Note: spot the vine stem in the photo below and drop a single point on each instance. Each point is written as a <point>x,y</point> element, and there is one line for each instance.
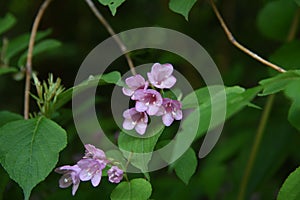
<point>29,55</point>
<point>112,33</point>
<point>238,45</point>
<point>255,147</point>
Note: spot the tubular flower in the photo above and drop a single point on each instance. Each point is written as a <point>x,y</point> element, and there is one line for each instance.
<point>135,120</point>
<point>161,76</point>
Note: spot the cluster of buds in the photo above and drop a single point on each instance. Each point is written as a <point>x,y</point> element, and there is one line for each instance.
<point>149,102</point>
<point>89,168</point>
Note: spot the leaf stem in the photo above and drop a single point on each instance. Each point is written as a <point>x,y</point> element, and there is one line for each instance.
<point>240,46</point>
<point>255,147</point>
<point>112,33</point>
<point>29,55</point>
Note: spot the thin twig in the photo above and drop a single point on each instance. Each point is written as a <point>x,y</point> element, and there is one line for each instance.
<point>238,45</point>
<point>29,55</point>
<point>294,26</point>
<point>112,33</point>
<point>255,147</point>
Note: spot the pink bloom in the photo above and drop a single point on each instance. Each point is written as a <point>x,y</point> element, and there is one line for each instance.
<point>115,175</point>
<point>136,120</point>
<point>147,100</point>
<point>92,152</point>
<point>171,110</point>
<point>161,76</point>
<point>91,169</point>
<point>70,176</point>
<point>134,83</point>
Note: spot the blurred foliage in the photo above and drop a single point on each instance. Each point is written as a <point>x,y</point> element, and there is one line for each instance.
<point>270,27</point>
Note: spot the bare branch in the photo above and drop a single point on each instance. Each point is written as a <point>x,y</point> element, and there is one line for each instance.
<point>112,33</point>
<point>29,55</point>
<point>238,45</point>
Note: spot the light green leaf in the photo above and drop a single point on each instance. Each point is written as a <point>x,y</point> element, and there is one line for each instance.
<point>182,7</point>
<point>20,43</point>
<point>7,22</point>
<point>281,10</point>
<point>186,165</point>
<point>112,4</point>
<point>139,150</point>
<point>279,82</point>
<point>292,91</point>
<point>40,48</point>
<point>6,117</point>
<point>29,150</point>
<point>112,78</point>
<point>7,70</point>
<point>290,188</point>
<point>136,189</point>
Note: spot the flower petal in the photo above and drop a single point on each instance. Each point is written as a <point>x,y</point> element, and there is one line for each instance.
<point>128,124</point>
<point>74,188</point>
<point>141,128</point>
<point>134,82</point>
<point>178,115</point>
<point>96,179</point>
<point>168,83</point>
<point>167,119</point>
<point>127,91</point>
<point>140,106</point>
<point>153,109</point>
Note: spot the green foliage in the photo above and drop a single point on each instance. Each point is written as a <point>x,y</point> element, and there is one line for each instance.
<point>182,7</point>
<point>29,150</point>
<point>39,48</point>
<point>290,188</point>
<point>7,22</point>
<point>186,165</point>
<point>112,4</point>
<point>6,116</point>
<point>281,10</point>
<point>139,150</point>
<point>136,189</point>
<point>7,70</point>
<point>298,2</point>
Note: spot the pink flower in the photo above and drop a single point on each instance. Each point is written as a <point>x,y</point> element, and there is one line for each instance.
<point>91,169</point>
<point>115,175</point>
<point>161,76</point>
<point>70,176</point>
<point>92,152</point>
<point>136,120</point>
<point>171,110</point>
<point>134,83</point>
<point>147,100</point>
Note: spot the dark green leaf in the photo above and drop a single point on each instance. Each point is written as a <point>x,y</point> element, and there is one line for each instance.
<point>290,188</point>
<point>281,10</point>
<point>112,4</point>
<point>7,22</point>
<point>6,117</point>
<point>7,70</point>
<point>112,77</point>
<point>29,150</point>
<point>40,48</point>
<point>186,165</point>
<point>292,91</point>
<point>182,7</point>
<point>136,189</point>
<point>20,43</point>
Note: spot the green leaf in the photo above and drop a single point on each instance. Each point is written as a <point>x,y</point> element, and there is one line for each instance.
<point>139,150</point>
<point>112,4</point>
<point>39,48</point>
<point>109,78</point>
<point>281,10</point>
<point>287,55</point>
<point>292,91</point>
<point>186,165</point>
<point>136,189</point>
<point>20,43</point>
<point>182,7</point>
<point>29,150</point>
<point>7,22</point>
<point>297,2</point>
<point>290,188</point>
<point>6,117</point>
<point>7,70</point>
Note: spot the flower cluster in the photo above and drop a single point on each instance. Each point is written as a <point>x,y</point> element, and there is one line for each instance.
<point>150,101</point>
<point>90,167</point>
